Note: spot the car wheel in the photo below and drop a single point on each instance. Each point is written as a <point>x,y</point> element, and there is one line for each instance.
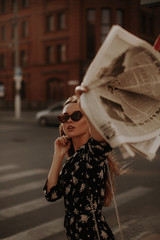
<point>43,121</point>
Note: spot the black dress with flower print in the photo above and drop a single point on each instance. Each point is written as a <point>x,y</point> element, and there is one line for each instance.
<point>83,178</point>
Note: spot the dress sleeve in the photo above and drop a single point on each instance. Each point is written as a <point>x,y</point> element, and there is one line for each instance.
<point>96,169</point>
<point>56,192</point>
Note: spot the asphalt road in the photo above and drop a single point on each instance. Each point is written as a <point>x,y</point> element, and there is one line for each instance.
<point>25,156</point>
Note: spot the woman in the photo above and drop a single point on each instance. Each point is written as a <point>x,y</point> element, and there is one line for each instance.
<point>83,181</point>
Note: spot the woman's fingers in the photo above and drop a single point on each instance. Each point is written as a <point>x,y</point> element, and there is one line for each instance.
<point>62,145</point>
<point>63,140</point>
<point>79,90</point>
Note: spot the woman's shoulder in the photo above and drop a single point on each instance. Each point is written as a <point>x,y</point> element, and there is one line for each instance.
<point>97,151</point>
<point>92,147</point>
<point>99,145</point>
<point>96,148</point>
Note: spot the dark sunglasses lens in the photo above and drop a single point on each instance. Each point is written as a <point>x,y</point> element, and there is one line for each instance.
<point>76,116</point>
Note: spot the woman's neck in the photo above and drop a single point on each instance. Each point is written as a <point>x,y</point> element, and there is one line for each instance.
<point>80,141</point>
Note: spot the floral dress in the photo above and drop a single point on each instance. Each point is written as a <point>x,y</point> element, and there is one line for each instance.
<point>82,184</point>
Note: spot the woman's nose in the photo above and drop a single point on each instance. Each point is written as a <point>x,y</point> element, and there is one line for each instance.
<point>69,119</point>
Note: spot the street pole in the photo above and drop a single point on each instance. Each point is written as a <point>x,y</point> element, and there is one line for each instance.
<point>17,70</point>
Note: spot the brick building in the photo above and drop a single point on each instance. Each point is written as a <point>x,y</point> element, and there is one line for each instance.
<point>57,41</point>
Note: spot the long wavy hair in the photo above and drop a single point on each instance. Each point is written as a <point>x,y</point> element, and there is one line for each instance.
<point>112,163</point>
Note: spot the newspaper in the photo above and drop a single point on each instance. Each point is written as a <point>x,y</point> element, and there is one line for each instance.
<point>123,101</point>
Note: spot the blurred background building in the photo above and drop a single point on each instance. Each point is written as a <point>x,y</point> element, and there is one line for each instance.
<point>58,39</point>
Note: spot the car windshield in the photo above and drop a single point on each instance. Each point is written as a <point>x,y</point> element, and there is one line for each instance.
<point>58,108</point>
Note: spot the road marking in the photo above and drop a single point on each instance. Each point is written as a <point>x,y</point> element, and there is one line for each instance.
<point>129,195</point>
<point>124,226</point>
<point>22,188</point>
<point>56,226</point>
<point>141,236</point>
<point>21,174</point>
<point>23,208</point>
<point>8,167</point>
<point>40,232</point>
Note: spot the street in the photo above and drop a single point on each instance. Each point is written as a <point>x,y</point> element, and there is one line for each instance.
<point>25,159</point>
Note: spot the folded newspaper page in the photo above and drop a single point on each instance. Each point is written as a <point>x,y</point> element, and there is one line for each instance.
<point>123,101</point>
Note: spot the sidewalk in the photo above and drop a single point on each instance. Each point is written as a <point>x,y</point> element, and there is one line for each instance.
<point>26,116</point>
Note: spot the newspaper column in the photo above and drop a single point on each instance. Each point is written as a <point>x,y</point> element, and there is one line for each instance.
<point>17,102</point>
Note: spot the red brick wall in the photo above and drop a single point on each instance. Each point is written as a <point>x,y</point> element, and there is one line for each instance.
<point>37,72</point>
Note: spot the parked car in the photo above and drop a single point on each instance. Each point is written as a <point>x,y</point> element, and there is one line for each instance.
<point>49,116</point>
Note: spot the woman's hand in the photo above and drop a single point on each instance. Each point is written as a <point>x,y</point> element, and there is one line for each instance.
<point>79,90</point>
<point>62,145</point>
<point>94,133</point>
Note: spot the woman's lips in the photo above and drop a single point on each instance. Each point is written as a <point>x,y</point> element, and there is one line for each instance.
<point>70,127</point>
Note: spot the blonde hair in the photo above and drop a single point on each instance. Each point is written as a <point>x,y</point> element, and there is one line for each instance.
<point>112,163</point>
<point>114,169</point>
<point>72,99</point>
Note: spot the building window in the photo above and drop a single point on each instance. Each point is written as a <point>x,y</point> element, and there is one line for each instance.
<point>23,90</point>
<point>3,6</point>
<point>61,21</point>
<point>120,17</point>
<point>55,90</point>
<point>49,55</point>
<point>3,33</point>
<point>105,23</point>
<point>91,36</point>
<point>13,31</point>
<point>143,23</point>
<point>2,61</point>
<point>25,3</point>
<point>13,4</point>
<point>2,90</point>
<point>50,23</point>
<point>24,29</point>
<point>13,59</point>
<point>61,49</point>
<point>151,25</point>
<point>23,58</point>
<point>147,23</point>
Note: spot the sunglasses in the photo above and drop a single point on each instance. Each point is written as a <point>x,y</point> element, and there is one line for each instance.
<point>75,116</point>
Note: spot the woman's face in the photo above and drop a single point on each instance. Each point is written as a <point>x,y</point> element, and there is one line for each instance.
<point>75,129</point>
